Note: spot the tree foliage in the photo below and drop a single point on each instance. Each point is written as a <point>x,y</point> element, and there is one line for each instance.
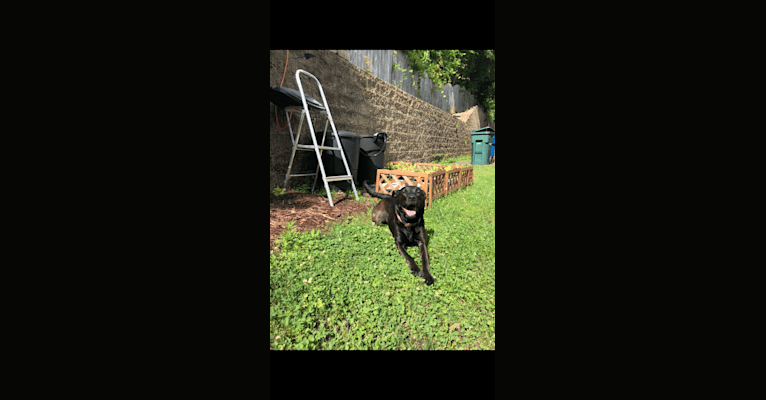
<point>472,69</point>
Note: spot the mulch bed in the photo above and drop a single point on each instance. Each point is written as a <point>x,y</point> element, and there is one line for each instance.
<point>310,211</point>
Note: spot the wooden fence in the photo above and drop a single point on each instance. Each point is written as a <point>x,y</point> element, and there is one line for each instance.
<point>435,184</point>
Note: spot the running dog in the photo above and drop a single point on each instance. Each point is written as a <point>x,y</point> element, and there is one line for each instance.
<point>403,211</point>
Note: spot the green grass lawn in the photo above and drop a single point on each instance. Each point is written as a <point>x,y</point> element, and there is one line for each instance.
<point>349,289</point>
<point>466,157</point>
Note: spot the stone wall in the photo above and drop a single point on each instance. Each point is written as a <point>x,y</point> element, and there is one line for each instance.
<point>475,118</point>
<point>381,63</point>
<point>359,103</point>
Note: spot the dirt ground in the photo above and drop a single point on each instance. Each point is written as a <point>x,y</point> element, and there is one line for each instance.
<point>311,211</point>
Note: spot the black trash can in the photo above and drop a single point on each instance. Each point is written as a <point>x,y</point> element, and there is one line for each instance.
<point>333,164</point>
<point>371,157</point>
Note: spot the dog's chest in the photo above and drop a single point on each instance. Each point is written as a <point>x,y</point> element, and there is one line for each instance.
<point>407,237</point>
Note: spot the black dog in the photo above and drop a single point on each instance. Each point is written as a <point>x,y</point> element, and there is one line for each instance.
<point>403,213</point>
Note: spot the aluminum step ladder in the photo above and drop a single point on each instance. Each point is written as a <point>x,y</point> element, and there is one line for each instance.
<point>315,147</point>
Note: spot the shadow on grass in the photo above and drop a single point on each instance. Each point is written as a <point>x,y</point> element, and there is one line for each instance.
<point>429,234</point>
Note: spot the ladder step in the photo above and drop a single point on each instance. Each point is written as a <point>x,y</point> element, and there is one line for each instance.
<point>310,174</point>
<point>311,147</point>
<point>338,178</point>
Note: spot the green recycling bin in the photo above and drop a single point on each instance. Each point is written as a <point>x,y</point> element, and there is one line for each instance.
<point>481,140</point>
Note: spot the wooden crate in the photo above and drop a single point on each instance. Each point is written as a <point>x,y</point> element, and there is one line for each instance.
<point>435,184</point>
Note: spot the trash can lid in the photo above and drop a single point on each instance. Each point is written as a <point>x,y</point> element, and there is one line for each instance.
<point>374,136</point>
<point>485,130</point>
<point>347,134</point>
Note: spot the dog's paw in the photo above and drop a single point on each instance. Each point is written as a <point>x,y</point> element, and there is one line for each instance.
<point>429,280</point>
<point>416,272</point>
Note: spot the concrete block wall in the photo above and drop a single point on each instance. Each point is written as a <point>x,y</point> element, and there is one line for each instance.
<point>363,104</point>
<point>381,62</point>
<point>475,118</point>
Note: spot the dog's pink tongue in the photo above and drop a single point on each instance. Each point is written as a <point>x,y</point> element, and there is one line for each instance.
<point>409,213</point>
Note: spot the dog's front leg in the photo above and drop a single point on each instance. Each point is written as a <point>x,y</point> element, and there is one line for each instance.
<point>426,263</point>
<point>410,262</point>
